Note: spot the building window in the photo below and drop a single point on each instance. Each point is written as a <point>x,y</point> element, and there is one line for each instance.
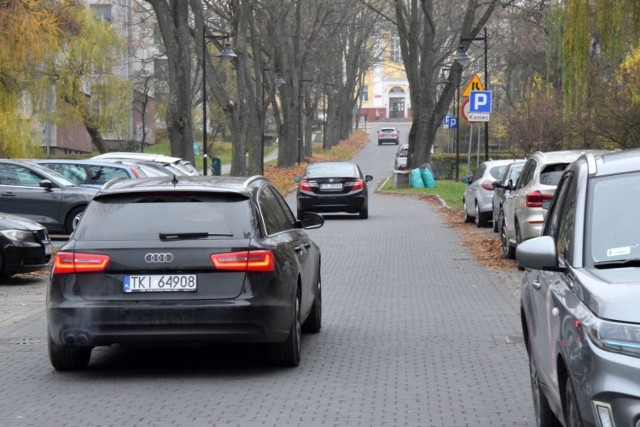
<point>364,97</point>
<point>396,53</point>
<point>102,11</point>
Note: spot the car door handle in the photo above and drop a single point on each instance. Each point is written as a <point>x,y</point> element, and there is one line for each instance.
<point>302,247</point>
<point>536,284</point>
<point>8,194</point>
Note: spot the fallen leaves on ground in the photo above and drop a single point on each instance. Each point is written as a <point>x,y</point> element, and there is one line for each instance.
<point>483,243</point>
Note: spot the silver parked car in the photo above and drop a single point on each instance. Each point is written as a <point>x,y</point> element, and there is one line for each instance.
<point>401,157</point>
<point>183,165</point>
<point>580,296</point>
<point>477,197</point>
<point>501,188</point>
<point>523,215</point>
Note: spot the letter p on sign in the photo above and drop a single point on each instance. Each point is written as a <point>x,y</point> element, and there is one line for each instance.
<point>480,101</point>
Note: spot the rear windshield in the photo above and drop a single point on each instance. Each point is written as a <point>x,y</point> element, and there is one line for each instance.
<point>551,174</point>
<point>145,217</point>
<point>331,169</point>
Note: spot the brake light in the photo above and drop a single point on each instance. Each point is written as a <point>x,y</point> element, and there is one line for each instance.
<point>536,198</point>
<point>69,263</point>
<point>306,185</point>
<point>486,184</point>
<point>135,173</point>
<point>394,133</point>
<point>254,261</point>
<point>358,184</point>
<point>380,134</point>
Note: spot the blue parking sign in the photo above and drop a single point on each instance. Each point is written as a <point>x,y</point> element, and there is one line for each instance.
<point>480,101</point>
<point>453,123</point>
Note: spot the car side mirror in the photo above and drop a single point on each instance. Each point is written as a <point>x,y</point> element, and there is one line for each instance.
<point>297,179</point>
<point>368,178</point>
<point>46,184</point>
<point>466,180</point>
<point>311,220</point>
<point>496,184</point>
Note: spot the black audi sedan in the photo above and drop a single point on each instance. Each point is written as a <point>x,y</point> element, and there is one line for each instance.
<point>188,259</point>
<point>333,187</point>
<point>25,246</point>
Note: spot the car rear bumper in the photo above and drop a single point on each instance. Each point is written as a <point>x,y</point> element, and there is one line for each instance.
<point>100,323</point>
<point>393,140</point>
<point>324,203</point>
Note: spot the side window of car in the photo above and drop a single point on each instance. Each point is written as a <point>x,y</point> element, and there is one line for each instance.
<point>8,175</point>
<point>526,174</point>
<point>27,178</point>
<point>74,173</point>
<point>560,222</point>
<point>275,219</point>
<point>289,218</point>
<point>479,173</point>
<point>102,174</point>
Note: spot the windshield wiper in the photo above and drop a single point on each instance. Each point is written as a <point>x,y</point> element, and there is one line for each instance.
<point>188,236</point>
<point>633,262</point>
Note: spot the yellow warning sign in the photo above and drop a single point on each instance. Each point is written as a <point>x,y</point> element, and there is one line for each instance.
<point>474,84</point>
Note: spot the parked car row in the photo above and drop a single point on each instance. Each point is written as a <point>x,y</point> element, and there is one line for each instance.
<point>570,220</point>
<point>55,192</point>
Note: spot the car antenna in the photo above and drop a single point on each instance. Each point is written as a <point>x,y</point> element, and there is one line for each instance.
<point>174,181</point>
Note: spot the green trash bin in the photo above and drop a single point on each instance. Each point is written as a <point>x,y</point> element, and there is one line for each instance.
<point>216,166</point>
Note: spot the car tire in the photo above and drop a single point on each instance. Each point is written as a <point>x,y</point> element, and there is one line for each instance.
<point>68,358</point>
<point>508,251</point>
<point>73,218</point>
<point>572,416</point>
<point>482,218</point>
<point>544,414</point>
<point>467,218</point>
<point>288,352</point>
<point>364,213</point>
<point>314,321</point>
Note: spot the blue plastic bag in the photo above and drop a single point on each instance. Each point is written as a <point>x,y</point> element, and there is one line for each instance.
<point>427,178</point>
<point>416,178</point>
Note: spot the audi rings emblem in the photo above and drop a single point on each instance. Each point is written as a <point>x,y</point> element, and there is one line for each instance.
<point>158,258</point>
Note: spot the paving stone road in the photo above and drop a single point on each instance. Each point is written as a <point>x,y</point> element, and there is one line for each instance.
<point>415,333</point>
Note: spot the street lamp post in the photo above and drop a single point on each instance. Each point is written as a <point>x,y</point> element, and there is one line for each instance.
<point>279,81</point>
<point>227,52</point>
<point>301,83</point>
<point>461,55</point>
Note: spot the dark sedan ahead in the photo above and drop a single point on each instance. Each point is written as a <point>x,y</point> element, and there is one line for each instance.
<point>24,246</point>
<point>42,195</point>
<point>185,259</point>
<point>333,187</point>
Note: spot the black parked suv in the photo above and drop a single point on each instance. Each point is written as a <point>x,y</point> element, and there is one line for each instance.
<point>182,260</point>
<point>580,296</point>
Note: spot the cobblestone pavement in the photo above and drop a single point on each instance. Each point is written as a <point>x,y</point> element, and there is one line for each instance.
<point>415,333</point>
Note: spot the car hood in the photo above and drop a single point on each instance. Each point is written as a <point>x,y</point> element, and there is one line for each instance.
<point>12,222</point>
<point>612,294</point>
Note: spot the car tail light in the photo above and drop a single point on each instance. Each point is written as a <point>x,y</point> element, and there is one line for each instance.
<point>69,263</point>
<point>256,261</point>
<point>306,185</point>
<point>135,173</point>
<point>380,134</point>
<point>394,133</point>
<point>358,184</point>
<point>536,198</point>
<point>486,184</point>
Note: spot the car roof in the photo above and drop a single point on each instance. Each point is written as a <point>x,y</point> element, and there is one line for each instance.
<point>613,162</point>
<point>85,162</point>
<point>231,184</point>
<point>138,156</point>
<point>562,156</point>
